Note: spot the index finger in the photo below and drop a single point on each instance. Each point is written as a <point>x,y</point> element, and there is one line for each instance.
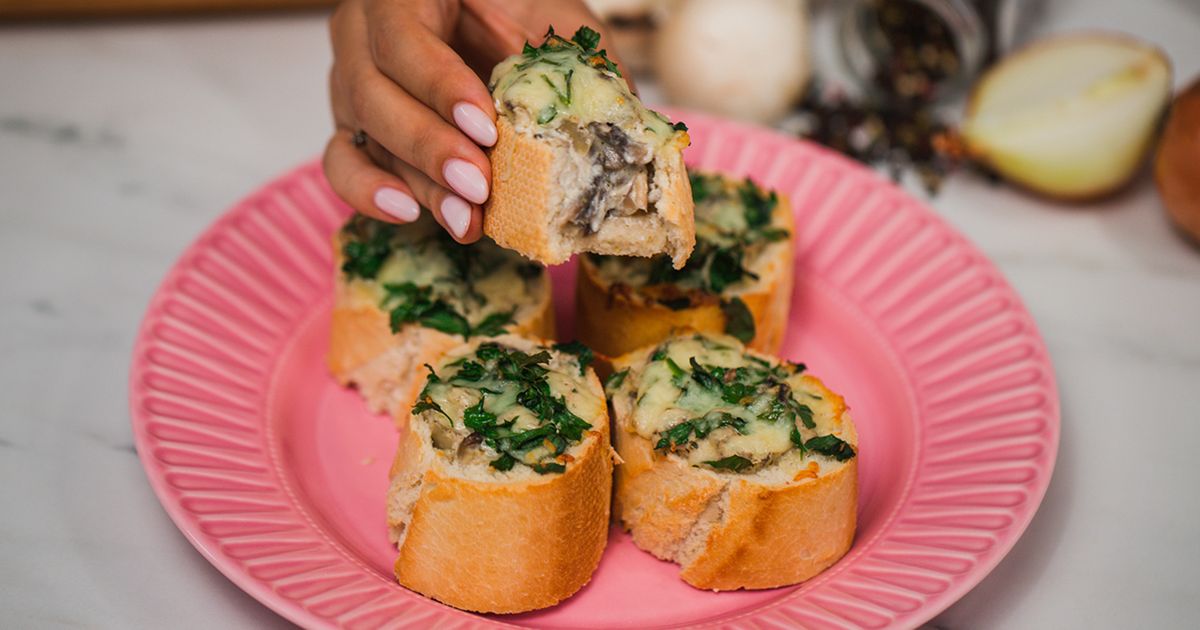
<point>407,46</point>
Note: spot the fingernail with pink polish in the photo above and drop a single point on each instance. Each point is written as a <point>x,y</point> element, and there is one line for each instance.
<point>457,215</point>
<point>466,179</point>
<point>475,123</point>
<point>397,204</point>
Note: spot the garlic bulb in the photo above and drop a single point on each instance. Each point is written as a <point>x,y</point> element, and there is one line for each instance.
<point>745,59</point>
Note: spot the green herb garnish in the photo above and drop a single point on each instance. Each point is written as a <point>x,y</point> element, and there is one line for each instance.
<point>614,381</point>
<point>739,321</point>
<point>796,438</point>
<point>497,371</point>
<point>736,463</point>
<point>583,42</point>
<point>679,435</point>
<point>370,243</point>
<point>678,375</point>
<point>583,353</point>
<point>700,186</point>
<point>425,402</point>
<point>470,371</point>
<point>830,445</point>
<point>504,462</point>
<point>369,246</point>
<point>410,303</point>
<point>701,375</point>
<point>587,38</point>
<point>758,203</point>
<point>757,387</point>
<point>718,263</point>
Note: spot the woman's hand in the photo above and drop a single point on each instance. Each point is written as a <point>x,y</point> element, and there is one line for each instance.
<point>410,107</point>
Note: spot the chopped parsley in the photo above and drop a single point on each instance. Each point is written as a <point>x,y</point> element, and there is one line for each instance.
<point>746,399</point>
<point>553,64</point>
<point>698,428</point>
<point>584,42</point>
<point>735,463</point>
<point>582,353</point>
<point>614,381</point>
<point>424,402</point>
<point>700,186</point>
<point>758,203</point>
<point>410,303</point>
<point>517,379</point>
<point>368,244</point>
<point>368,248</point>
<point>739,321</point>
<point>832,446</point>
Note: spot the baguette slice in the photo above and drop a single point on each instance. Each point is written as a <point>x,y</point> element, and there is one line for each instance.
<point>486,540</point>
<point>776,523</point>
<point>580,165</point>
<point>619,310</point>
<point>363,350</point>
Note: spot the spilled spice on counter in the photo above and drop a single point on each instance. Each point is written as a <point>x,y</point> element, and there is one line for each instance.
<point>895,125</point>
<point>916,48</point>
<point>900,136</point>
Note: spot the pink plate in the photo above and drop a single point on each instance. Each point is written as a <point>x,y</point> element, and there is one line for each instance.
<point>277,475</point>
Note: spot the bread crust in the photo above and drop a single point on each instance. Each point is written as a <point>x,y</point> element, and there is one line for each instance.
<point>727,531</point>
<point>520,213</point>
<point>615,322</point>
<point>364,353</point>
<point>549,531</point>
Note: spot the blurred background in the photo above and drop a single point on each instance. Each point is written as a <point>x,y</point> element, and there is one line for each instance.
<point>1061,136</point>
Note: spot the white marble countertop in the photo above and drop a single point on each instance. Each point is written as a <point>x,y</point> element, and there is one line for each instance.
<point>120,141</point>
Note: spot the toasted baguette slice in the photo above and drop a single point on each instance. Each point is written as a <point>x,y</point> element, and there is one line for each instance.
<point>778,515</point>
<point>365,353</point>
<point>620,306</point>
<point>489,540</point>
<point>580,165</point>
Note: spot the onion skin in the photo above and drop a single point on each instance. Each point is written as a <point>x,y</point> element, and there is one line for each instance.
<point>1177,163</point>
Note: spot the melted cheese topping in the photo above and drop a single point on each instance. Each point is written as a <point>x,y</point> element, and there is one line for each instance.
<point>500,279</point>
<point>664,399</point>
<point>456,396</point>
<point>559,87</point>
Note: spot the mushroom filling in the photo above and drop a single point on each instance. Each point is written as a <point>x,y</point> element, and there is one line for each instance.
<point>567,92</point>
<point>622,172</point>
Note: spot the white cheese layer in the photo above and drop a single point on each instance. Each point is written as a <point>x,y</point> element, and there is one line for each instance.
<point>455,398</point>
<point>500,279</point>
<point>663,400</point>
<point>560,87</point>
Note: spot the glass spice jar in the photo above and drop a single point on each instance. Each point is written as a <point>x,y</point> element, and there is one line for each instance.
<point>924,50</point>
